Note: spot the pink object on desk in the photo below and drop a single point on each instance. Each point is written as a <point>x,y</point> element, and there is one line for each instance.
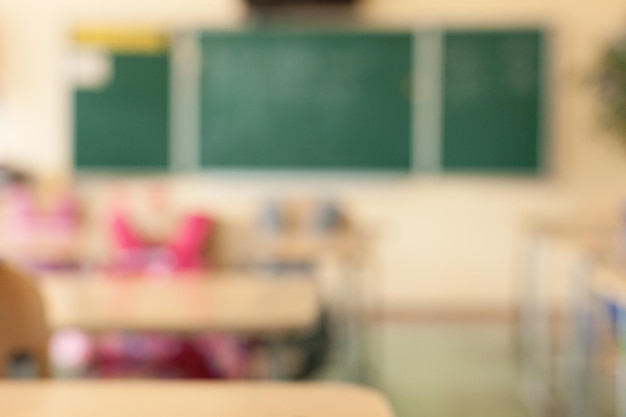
<point>24,213</point>
<point>53,229</point>
<point>188,244</point>
<point>207,356</point>
<point>184,252</point>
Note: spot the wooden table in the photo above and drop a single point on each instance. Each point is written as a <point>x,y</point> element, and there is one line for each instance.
<point>300,247</point>
<point>546,240</point>
<point>233,304</point>
<point>188,399</point>
<point>585,247</point>
<point>270,308</point>
<point>345,251</point>
<point>608,282</point>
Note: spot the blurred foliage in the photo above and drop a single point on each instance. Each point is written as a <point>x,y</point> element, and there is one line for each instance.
<point>612,87</point>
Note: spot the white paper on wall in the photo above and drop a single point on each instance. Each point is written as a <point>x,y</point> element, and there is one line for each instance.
<point>91,68</point>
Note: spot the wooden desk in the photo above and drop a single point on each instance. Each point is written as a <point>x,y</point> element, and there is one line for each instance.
<point>608,282</point>
<point>298,247</point>
<point>608,277</point>
<point>345,252</point>
<point>234,304</point>
<point>557,266</point>
<point>583,248</point>
<point>188,399</point>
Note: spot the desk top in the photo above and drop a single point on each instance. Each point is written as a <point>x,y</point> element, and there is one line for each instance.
<point>601,245</point>
<point>234,304</point>
<point>567,228</point>
<point>300,247</point>
<point>189,399</point>
<point>596,241</point>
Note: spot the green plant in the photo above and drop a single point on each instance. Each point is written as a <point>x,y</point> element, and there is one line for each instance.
<point>612,87</point>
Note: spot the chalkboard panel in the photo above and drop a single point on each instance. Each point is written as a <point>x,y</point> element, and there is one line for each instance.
<point>125,123</point>
<point>492,116</point>
<point>306,100</point>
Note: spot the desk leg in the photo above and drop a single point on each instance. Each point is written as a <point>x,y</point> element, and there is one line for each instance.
<point>359,324</point>
<point>352,336</point>
<point>275,359</point>
<point>578,348</point>
<point>535,328</point>
<point>365,336</point>
<point>620,382</point>
<point>344,327</point>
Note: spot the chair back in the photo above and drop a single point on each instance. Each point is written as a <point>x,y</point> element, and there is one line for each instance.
<point>23,328</point>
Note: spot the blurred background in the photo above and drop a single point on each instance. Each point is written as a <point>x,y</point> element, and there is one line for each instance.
<point>397,154</point>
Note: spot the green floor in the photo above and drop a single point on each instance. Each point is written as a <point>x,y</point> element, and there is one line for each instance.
<point>437,370</point>
<point>441,370</point>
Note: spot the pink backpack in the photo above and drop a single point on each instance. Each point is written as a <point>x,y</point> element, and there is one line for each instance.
<point>206,356</point>
<point>182,253</point>
<point>31,226</point>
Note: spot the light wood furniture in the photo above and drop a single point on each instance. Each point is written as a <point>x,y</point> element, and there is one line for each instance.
<point>610,283</point>
<point>344,253</point>
<point>299,247</point>
<point>553,249</point>
<point>23,328</point>
<point>566,261</point>
<point>135,399</point>
<point>607,283</point>
<point>232,303</point>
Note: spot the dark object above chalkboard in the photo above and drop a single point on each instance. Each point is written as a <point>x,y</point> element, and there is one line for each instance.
<point>273,3</point>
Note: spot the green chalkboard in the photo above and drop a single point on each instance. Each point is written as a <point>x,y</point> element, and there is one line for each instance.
<point>492,115</point>
<point>311,100</point>
<point>125,123</point>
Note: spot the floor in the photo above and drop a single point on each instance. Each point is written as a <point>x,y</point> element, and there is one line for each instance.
<point>441,370</point>
<point>437,370</point>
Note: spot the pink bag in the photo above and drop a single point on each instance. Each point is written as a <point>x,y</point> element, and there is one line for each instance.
<point>206,356</point>
<point>55,228</point>
<point>183,253</point>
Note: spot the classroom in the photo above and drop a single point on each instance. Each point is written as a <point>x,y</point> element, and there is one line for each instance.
<point>324,207</point>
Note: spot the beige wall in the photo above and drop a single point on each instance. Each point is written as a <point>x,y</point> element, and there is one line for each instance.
<point>442,241</point>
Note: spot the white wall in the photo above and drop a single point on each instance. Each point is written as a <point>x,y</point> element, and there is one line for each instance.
<point>443,241</point>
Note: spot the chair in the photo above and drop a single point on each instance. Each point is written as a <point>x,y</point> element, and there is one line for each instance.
<point>23,328</point>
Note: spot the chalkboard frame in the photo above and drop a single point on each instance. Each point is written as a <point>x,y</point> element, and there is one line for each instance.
<point>195,167</point>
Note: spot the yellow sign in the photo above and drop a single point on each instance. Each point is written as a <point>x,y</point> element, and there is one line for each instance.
<point>116,39</point>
